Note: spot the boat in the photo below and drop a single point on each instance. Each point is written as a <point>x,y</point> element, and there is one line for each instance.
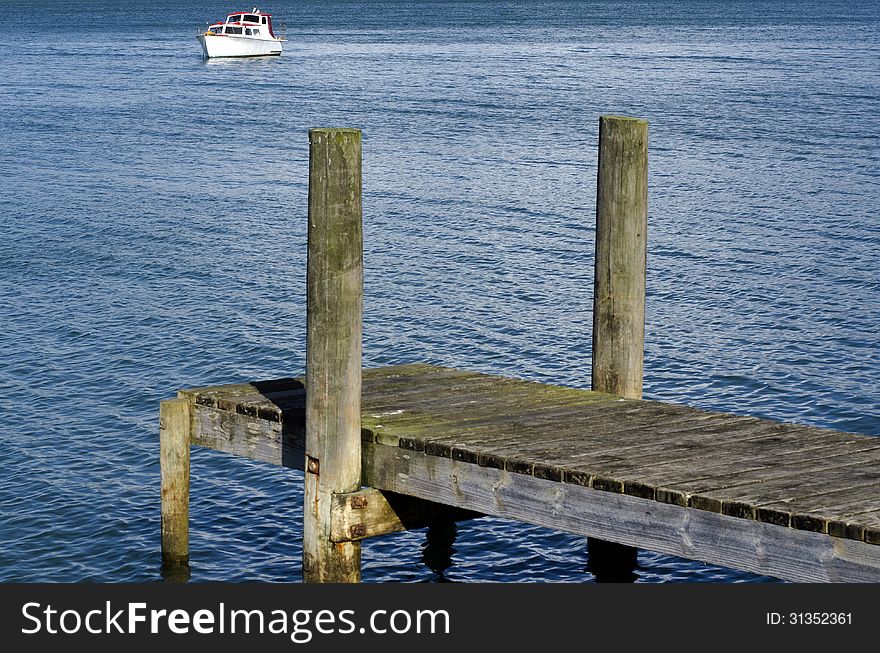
<point>242,34</point>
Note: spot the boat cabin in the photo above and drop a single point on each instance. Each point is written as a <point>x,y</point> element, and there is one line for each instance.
<point>244,23</point>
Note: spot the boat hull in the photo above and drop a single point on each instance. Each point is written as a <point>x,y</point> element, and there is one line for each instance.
<point>219,45</point>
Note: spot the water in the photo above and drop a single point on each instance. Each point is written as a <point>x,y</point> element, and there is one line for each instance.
<point>153,237</point>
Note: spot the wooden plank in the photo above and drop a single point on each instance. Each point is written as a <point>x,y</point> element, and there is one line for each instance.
<point>521,421</point>
<point>378,382</point>
<point>864,502</point>
<point>492,401</point>
<point>560,440</point>
<point>744,500</point>
<point>369,512</point>
<point>677,485</point>
<point>407,370</point>
<point>794,509</point>
<point>462,426</point>
<point>484,396</point>
<point>761,462</point>
<point>277,443</point>
<point>711,537</point>
<point>735,442</point>
<point>752,453</point>
<point>851,513</point>
<point>600,421</point>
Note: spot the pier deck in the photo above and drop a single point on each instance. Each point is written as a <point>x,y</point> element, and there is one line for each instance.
<point>785,500</point>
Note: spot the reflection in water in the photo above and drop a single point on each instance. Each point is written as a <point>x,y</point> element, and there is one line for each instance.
<point>175,572</point>
<point>611,562</point>
<point>438,548</point>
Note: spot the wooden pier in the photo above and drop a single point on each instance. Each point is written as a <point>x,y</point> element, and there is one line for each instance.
<point>389,449</point>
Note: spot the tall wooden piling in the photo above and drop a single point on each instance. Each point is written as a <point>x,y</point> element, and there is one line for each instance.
<point>621,255</point>
<point>174,440</point>
<point>333,356</point>
<point>619,291</point>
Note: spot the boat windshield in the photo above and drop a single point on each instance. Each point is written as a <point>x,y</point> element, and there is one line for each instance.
<point>243,18</point>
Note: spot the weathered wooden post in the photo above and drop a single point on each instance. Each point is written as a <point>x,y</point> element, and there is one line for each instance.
<point>619,287</point>
<point>333,349</point>
<point>621,255</point>
<point>174,438</point>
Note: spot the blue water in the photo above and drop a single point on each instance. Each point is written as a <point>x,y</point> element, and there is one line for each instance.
<point>153,237</point>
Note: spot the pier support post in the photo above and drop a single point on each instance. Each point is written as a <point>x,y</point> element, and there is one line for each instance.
<point>619,289</point>
<point>333,349</point>
<point>175,424</point>
<point>621,255</point>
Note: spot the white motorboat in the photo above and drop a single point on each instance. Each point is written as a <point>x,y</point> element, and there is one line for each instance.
<point>242,34</point>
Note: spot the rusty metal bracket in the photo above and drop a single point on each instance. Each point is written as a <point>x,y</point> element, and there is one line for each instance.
<point>369,512</point>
